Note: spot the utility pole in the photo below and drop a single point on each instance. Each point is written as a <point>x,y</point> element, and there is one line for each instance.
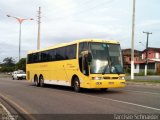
<point>132,43</point>
<point>39,27</point>
<point>146,52</point>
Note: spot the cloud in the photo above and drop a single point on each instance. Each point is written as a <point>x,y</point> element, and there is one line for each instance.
<point>69,20</point>
<point>148,23</point>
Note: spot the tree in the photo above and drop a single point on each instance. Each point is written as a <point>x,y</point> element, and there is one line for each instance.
<point>8,62</point>
<point>21,64</point>
<point>8,65</point>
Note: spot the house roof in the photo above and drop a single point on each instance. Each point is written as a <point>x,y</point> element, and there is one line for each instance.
<point>129,49</point>
<point>143,62</point>
<point>127,52</point>
<point>152,48</point>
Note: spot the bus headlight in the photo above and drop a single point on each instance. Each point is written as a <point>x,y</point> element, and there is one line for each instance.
<point>96,78</point>
<point>121,78</point>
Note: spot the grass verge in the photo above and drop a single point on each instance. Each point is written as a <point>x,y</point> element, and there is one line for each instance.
<point>145,81</point>
<point>3,75</point>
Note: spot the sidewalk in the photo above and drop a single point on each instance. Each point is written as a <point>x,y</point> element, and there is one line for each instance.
<point>5,114</point>
<point>144,80</point>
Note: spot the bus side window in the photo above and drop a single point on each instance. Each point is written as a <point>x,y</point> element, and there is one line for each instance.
<point>71,52</point>
<point>60,53</point>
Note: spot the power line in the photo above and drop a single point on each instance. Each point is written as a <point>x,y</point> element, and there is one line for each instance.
<point>86,10</point>
<point>93,7</point>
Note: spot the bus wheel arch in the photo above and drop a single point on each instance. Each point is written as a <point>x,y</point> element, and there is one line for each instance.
<point>36,81</point>
<point>75,83</point>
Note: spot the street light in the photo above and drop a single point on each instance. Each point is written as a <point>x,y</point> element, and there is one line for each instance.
<point>20,20</point>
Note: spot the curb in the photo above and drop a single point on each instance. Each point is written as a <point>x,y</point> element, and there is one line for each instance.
<point>5,114</point>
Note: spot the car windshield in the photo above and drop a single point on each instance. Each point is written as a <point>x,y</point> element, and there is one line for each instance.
<point>106,58</point>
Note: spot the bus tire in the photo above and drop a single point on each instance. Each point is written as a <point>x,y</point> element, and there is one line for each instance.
<point>76,84</point>
<point>41,81</point>
<point>36,82</point>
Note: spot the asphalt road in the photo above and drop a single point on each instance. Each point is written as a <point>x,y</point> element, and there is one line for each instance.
<point>29,99</point>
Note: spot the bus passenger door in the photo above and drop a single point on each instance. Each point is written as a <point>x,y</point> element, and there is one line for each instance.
<point>83,64</point>
<point>84,68</point>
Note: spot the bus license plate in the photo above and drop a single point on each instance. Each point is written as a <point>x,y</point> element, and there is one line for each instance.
<point>111,83</point>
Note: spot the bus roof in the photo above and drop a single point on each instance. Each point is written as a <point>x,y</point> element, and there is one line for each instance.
<point>74,42</point>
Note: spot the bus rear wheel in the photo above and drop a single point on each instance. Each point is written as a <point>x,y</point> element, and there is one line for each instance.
<point>76,85</point>
<point>36,81</point>
<point>41,80</point>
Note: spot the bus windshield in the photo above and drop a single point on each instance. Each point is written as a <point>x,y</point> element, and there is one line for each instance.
<point>106,58</point>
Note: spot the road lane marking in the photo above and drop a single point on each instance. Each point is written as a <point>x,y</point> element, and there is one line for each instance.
<point>142,92</point>
<point>124,102</point>
<point>114,100</point>
<point>18,106</point>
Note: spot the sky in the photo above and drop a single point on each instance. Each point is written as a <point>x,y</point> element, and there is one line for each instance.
<point>68,20</point>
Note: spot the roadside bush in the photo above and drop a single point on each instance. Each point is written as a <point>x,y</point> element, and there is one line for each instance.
<point>128,71</point>
<point>151,73</point>
<point>7,69</point>
<point>148,73</point>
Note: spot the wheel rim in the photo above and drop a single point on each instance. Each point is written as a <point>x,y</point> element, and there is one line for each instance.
<point>41,82</point>
<point>36,81</point>
<point>76,85</point>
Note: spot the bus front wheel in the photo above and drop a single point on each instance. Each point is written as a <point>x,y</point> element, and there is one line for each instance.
<point>76,85</point>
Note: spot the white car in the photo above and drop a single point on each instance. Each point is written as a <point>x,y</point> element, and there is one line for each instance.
<point>19,75</point>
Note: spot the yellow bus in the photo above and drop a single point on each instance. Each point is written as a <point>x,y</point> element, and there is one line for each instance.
<point>87,63</point>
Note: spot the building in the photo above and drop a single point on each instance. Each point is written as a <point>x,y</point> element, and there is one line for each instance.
<point>127,57</point>
<point>140,60</point>
<point>153,54</point>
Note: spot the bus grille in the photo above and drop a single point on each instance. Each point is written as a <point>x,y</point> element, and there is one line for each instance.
<point>110,77</point>
<point>114,77</point>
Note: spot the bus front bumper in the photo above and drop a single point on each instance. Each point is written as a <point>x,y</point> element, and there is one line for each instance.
<point>107,84</point>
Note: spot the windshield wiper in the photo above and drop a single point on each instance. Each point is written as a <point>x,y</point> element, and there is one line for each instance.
<point>104,71</point>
